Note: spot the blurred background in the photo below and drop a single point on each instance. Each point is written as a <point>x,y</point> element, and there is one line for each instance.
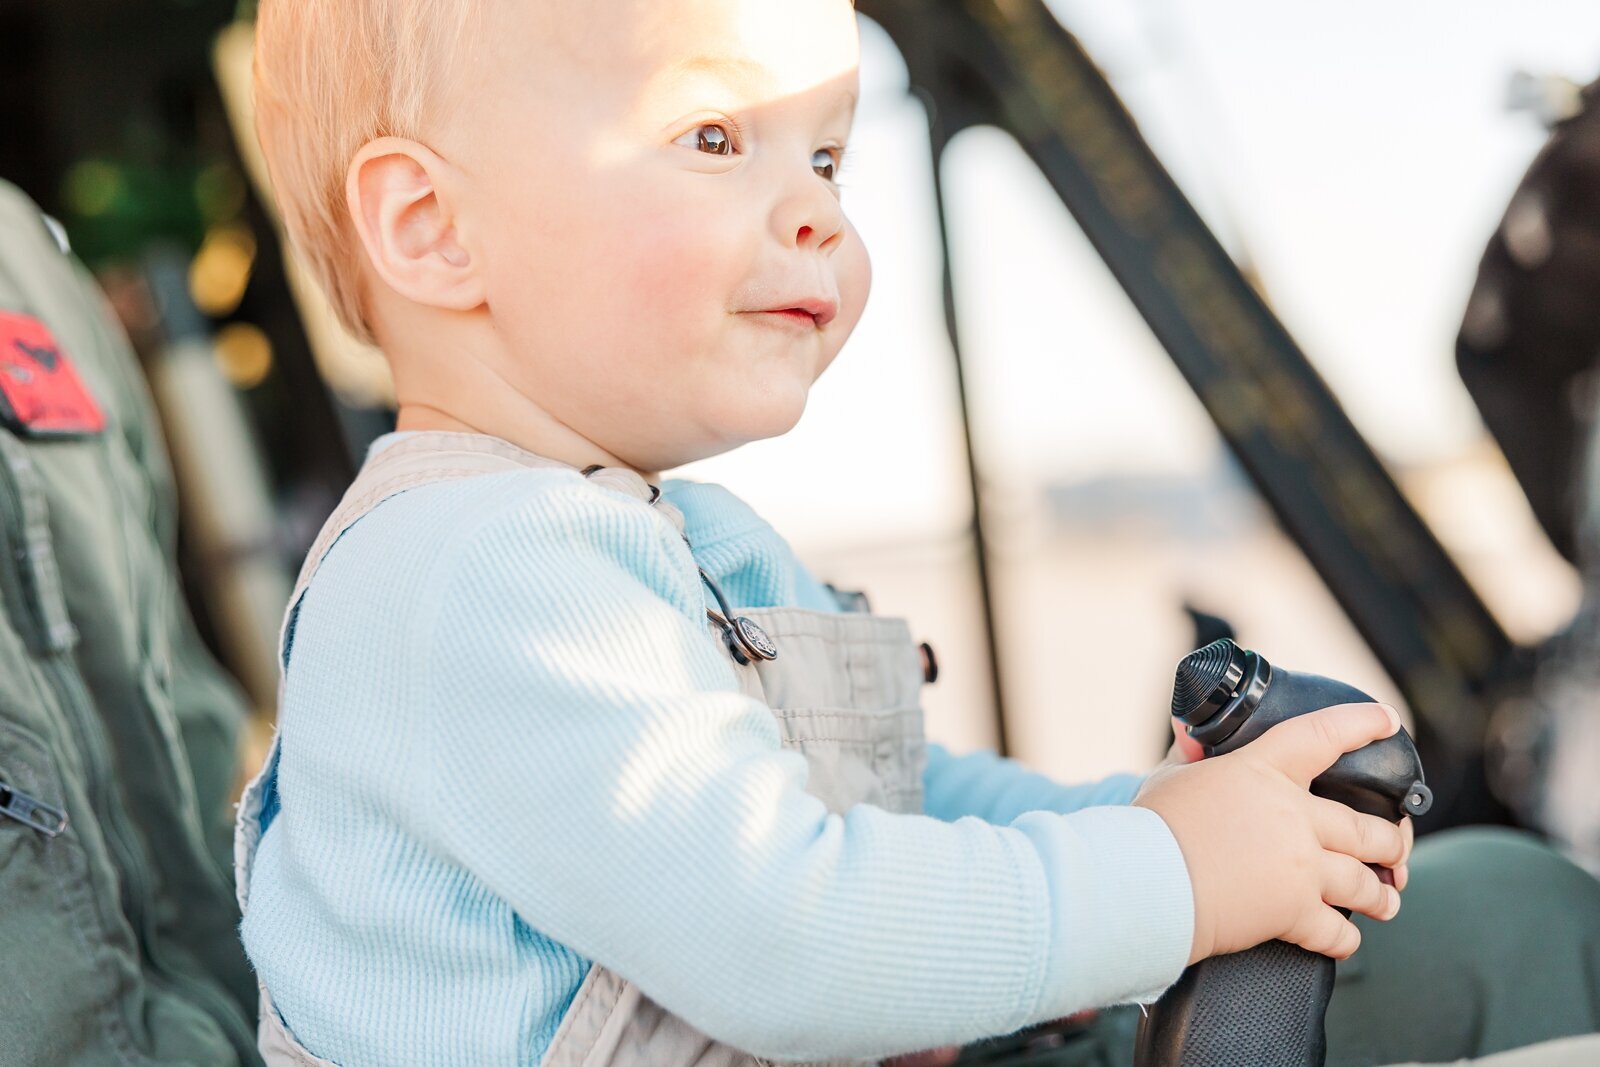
<point>1354,162</point>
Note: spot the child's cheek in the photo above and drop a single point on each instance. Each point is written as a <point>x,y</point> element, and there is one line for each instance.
<point>678,268</point>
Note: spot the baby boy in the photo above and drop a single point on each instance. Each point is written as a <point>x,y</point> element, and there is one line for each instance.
<point>540,793</point>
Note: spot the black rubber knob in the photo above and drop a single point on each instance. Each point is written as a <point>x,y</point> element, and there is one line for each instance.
<point>1206,679</point>
<point>1216,690</point>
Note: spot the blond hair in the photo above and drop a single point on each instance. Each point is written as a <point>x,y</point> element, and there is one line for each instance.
<point>329,76</point>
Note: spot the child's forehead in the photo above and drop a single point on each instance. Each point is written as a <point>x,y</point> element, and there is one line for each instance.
<point>761,47</point>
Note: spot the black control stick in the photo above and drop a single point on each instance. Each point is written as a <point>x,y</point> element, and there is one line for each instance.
<point>1264,1007</point>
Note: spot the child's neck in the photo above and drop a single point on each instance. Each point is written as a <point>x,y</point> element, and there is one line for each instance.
<point>447,376</point>
<point>548,441</point>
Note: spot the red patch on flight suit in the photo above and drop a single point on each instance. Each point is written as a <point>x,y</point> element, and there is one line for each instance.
<point>40,392</point>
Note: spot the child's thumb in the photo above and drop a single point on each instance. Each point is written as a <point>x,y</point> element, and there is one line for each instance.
<point>1306,745</point>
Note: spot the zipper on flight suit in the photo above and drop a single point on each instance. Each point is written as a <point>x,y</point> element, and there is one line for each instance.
<point>124,845</point>
<point>48,819</point>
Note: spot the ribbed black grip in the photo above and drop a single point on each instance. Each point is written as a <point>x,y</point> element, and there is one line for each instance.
<point>1263,1007</point>
<point>1201,673</point>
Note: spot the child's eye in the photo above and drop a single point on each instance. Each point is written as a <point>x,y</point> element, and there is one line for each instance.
<point>711,138</point>
<point>826,161</point>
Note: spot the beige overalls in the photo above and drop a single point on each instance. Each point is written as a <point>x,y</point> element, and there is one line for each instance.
<point>844,688</point>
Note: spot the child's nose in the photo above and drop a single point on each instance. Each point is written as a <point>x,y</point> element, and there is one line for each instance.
<point>824,240</point>
<point>811,216</point>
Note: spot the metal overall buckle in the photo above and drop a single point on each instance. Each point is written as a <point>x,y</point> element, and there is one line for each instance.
<point>745,640</point>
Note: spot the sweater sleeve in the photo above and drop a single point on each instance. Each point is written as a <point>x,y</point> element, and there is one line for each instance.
<point>592,761</point>
<point>998,790</point>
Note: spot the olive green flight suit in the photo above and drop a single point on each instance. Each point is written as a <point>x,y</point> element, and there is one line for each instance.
<point>118,929</point>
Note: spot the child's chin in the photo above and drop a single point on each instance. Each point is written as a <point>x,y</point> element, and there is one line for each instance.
<point>772,416</point>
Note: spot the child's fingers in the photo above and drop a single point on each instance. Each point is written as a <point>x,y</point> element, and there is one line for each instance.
<point>1348,883</point>
<point>1306,745</point>
<point>1399,874</point>
<point>1326,931</point>
<point>1368,838</point>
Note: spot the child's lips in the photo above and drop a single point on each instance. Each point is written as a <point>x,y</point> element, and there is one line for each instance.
<point>797,316</point>
<point>812,312</point>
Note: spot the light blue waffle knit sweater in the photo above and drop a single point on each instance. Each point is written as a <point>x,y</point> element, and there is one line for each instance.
<point>508,749</point>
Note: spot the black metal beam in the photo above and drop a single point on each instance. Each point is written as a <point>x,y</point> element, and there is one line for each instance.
<point>939,136</point>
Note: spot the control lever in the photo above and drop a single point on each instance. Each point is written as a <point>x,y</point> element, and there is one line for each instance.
<point>1265,1006</point>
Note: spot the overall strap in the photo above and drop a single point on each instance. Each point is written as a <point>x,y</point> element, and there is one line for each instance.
<point>430,456</point>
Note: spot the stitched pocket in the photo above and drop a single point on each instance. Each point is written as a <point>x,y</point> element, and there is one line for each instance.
<point>859,756</point>
<point>32,585</point>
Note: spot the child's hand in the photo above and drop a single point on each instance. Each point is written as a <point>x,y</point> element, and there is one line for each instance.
<point>1265,857</point>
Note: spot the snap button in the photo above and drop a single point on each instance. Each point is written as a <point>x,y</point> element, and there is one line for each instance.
<point>754,639</point>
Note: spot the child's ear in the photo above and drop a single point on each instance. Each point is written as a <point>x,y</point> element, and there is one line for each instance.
<point>398,194</point>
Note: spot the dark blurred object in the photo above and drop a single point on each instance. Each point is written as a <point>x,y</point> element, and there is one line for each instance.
<point>100,101</point>
<point>1530,341</point>
<point>1529,351</point>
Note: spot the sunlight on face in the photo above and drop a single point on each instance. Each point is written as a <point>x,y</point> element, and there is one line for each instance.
<point>767,52</point>
<point>652,191</point>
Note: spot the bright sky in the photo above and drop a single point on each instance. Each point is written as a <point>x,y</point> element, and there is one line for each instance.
<point>1362,152</point>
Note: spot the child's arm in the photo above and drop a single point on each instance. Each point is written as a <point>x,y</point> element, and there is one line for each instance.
<point>997,789</point>
<point>591,760</point>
